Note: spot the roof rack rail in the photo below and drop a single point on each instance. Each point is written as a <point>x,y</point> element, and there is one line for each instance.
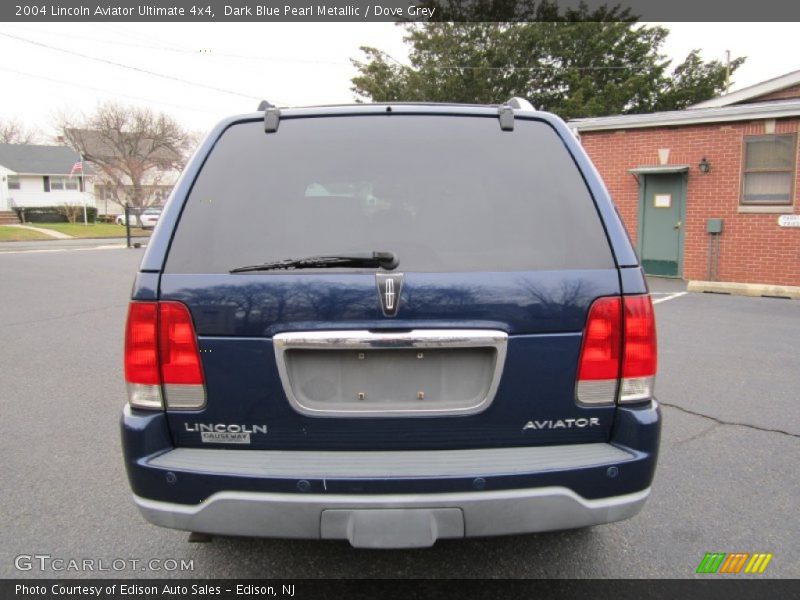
<point>272,118</point>
<point>505,115</point>
<point>505,112</point>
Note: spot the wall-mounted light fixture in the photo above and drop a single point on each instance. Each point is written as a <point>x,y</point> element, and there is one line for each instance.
<point>704,165</point>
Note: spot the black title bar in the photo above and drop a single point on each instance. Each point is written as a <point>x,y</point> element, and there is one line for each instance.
<point>387,10</point>
<point>732,588</point>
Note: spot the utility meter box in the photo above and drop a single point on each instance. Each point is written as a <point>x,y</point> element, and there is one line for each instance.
<point>714,225</point>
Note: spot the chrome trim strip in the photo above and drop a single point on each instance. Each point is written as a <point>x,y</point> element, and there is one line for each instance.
<point>416,338</point>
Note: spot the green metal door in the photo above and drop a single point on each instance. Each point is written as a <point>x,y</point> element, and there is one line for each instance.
<point>661,216</point>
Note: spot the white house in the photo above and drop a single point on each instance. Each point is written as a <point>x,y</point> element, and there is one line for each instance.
<point>33,175</point>
<point>117,154</point>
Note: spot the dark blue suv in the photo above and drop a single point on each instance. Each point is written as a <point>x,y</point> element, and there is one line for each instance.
<point>390,324</point>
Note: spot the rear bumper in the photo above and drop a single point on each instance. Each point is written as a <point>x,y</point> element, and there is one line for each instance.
<point>391,521</point>
<point>393,498</point>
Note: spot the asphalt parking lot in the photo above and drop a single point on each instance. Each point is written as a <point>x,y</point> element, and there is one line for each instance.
<point>727,478</point>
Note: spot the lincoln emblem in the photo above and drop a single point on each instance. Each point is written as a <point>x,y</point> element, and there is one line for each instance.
<point>389,288</point>
<point>389,294</point>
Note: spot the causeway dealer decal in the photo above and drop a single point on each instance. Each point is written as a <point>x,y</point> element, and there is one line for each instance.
<point>221,433</point>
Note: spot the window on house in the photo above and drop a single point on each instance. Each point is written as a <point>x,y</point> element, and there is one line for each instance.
<point>768,176</point>
<point>13,182</point>
<point>64,183</point>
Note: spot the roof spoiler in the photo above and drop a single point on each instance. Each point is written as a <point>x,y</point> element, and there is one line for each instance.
<point>520,103</point>
<point>505,113</point>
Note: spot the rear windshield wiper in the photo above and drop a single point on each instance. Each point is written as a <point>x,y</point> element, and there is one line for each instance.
<point>386,260</point>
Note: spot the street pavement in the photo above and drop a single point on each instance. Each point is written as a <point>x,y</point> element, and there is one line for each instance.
<point>726,481</point>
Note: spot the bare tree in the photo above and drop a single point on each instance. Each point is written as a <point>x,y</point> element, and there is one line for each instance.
<point>71,210</point>
<point>131,149</point>
<point>14,132</point>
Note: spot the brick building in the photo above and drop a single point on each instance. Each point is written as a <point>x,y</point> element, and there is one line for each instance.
<point>727,164</point>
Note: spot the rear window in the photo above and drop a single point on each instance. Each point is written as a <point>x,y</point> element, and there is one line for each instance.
<point>445,193</point>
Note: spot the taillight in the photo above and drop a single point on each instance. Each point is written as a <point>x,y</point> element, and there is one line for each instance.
<point>141,355</point>
<point>619,347</point>
<point>641,358</point>
<point>161,357</point>
<point>180,360</point>
<point>599,365</point>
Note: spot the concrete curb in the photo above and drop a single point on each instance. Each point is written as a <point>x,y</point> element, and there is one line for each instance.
<point>746,289</point>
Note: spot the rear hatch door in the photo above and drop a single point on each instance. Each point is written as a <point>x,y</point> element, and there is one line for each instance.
<point>472,341</point>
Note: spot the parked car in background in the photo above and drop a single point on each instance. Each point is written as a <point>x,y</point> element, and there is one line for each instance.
<point>390,324</point>
<point>149,217</point>
<point>144,218</point>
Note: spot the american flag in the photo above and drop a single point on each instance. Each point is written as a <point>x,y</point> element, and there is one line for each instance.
<point>76,168</point>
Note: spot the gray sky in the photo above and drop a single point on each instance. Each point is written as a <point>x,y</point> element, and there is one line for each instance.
<point>287,63</point>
